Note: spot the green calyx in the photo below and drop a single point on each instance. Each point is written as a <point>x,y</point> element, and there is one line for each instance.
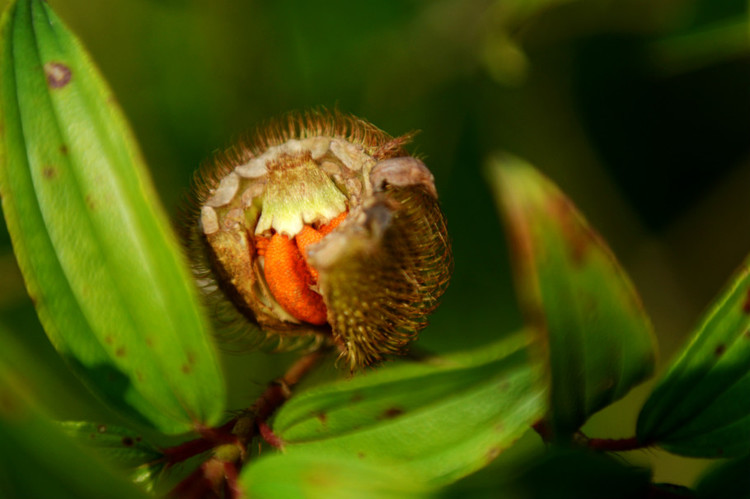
<point>297,192</point>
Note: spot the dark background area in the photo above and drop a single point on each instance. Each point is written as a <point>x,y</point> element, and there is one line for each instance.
<point>639,110</point>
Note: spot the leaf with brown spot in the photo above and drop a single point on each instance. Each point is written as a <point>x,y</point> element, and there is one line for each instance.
<point>107,274</point>
<point>58,74</point>
<point>392,412</point>
<point>701,406</point>
<point>49,172</point>
<point>121,446</point>
<point>329,476</point>
<point>436,421</point>
<point>594,335</point>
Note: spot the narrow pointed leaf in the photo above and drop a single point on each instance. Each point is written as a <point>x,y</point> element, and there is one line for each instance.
<point>122,448</point>
<point>37,460</point>
<point>307,476</point>
<point>701,407</point>
<point>436,421</point>
<point>91,239</point>
<point>595,336</point>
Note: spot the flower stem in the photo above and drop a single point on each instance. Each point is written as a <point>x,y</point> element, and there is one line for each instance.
<point>277,392</point>
<point>229,441</point>
<point>615,444</point>
<point>210,438</point>
<point>597,444</point>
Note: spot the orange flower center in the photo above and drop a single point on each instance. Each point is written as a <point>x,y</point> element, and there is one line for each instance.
<point>289,275</point>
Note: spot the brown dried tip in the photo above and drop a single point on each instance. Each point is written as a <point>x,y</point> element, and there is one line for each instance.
<point>322,227</point>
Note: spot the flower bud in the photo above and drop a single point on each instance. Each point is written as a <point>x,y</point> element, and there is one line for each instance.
<point>323,227</point>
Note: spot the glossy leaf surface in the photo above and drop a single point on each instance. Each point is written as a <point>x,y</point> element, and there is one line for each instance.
<point>595,336</point>
<point>435,421</point>
<point>311,476</point>
<point>701,407</point>
<point>95,247</point>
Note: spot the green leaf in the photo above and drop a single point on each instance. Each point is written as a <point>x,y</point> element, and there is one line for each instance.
<point>701,407</point>
<point>436,421</point>
<point>309,476</point>
<point>92,241</point>
<point>121,447</point>
<point>596,339</point>
<point>37,460</point>
<point>557,473</point>
<point>43,382</point>
<point>702,47</point>
<point>118,445</point>
<point>576,474</point>
<point>728,480</point>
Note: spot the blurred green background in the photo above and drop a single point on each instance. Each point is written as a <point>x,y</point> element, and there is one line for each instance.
<point>639,110</point>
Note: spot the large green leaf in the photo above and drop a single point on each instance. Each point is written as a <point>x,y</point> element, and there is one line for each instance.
<point>36,459</point>
<point>701,407</point>
<point>596,338</point>
<point>310,476</point>
<point>122,448</point>
<point>43,380</point>
<point>93,243</point>
<point>579,474</point>
<point>557,473</point>
<point>436,421</point>
<point>726,480</point>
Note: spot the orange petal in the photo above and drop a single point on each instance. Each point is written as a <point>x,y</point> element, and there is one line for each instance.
<point>308,236</point>
<point>289,280</point>
<point>305,238</point>
<point>328,228</point>
<point>261,243</point>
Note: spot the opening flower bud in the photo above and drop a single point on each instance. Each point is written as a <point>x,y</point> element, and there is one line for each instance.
<point>323,226</point>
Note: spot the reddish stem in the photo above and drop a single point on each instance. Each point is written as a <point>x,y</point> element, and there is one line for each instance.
<point>615,444</point>
<point>210,438</point>
<point>232,488</point>
<point>598,444</point>
<point>221,473</point>
<point>268,435</point>
<point>279,390</point>
<point>201,483</point>
<point>543,430</point>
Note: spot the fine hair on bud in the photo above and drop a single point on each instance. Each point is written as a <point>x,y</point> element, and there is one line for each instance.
<point>321,228</point>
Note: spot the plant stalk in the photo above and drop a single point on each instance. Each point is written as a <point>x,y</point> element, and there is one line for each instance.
<point>229,441</point>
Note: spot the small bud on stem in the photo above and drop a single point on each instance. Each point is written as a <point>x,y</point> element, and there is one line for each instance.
<point>323,227</point>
